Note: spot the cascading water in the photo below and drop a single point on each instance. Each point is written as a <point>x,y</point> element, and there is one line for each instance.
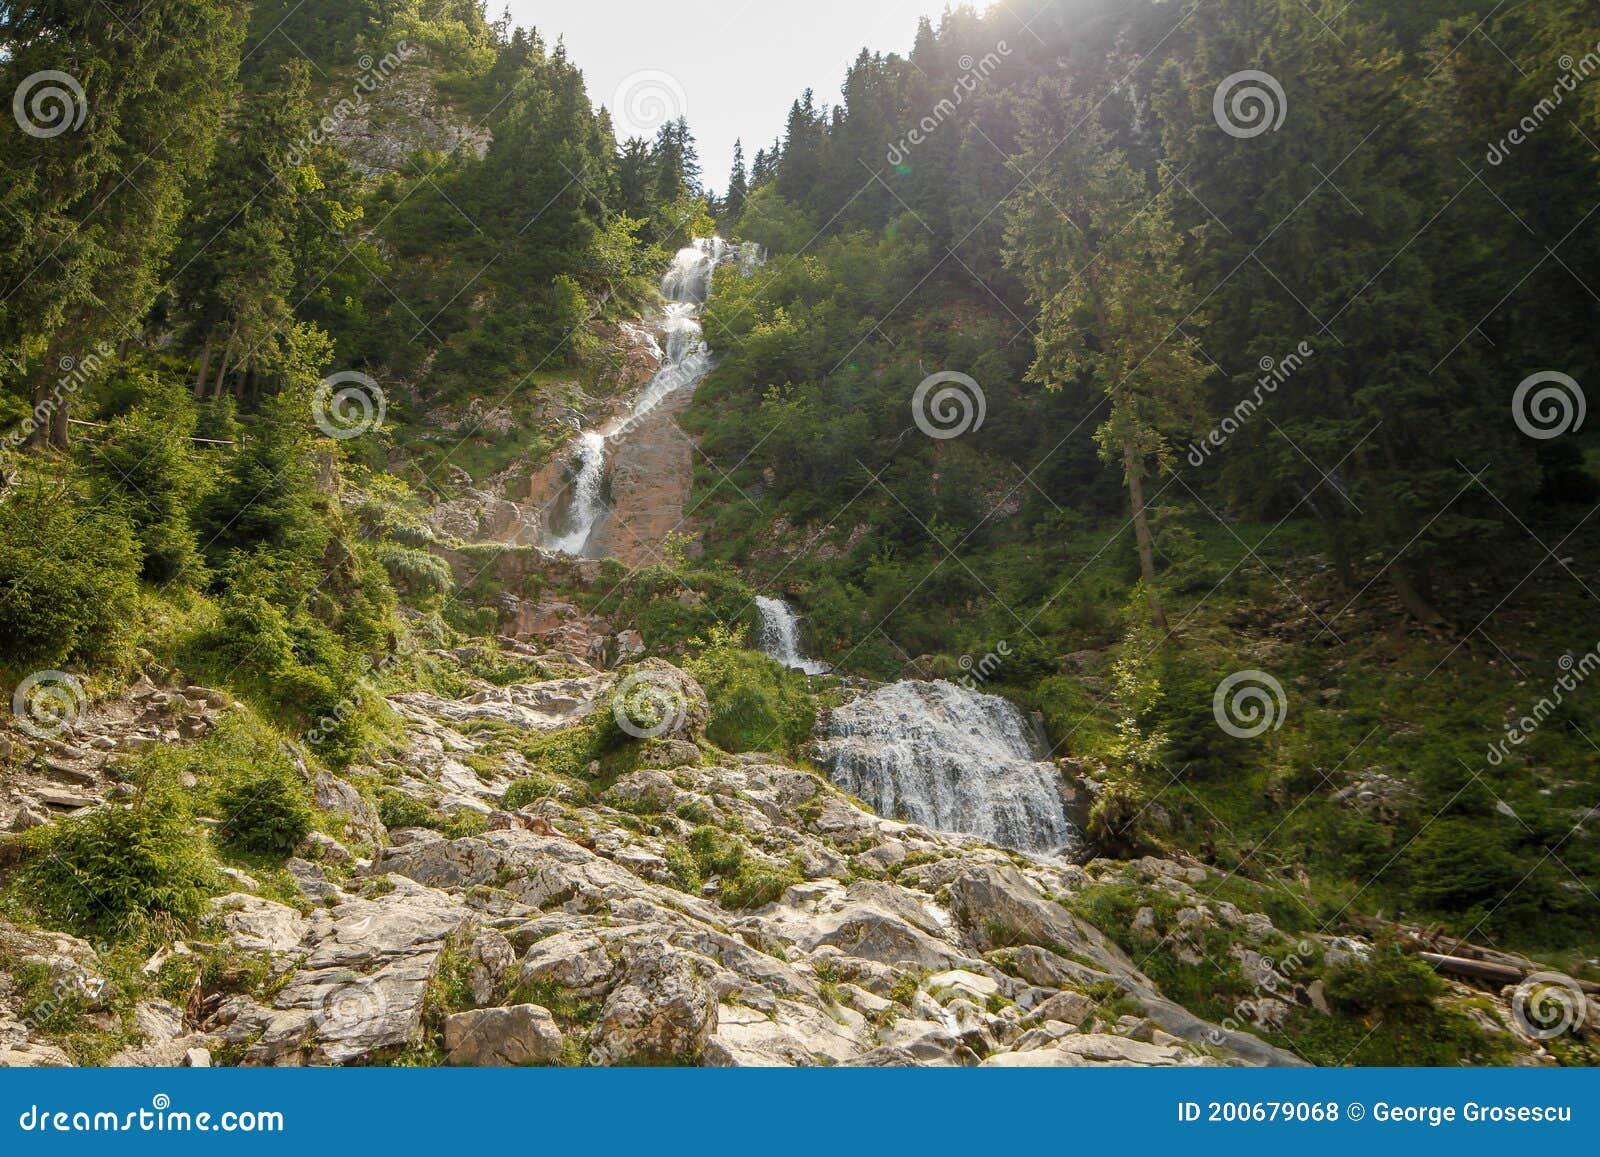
<point>686,361</point>
<point>949,758</point>
<point>780,636</point>
<point>586,503</point>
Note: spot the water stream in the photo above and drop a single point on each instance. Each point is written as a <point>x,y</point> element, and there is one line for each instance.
<point>950,758</point>
<point>780,636</point>
<point>936,754</point>
<point>685,363</point>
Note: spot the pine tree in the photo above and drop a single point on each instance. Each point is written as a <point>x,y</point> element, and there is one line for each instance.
<point>738,183</point>
<point>1100,259</point>
<point>91,212</point>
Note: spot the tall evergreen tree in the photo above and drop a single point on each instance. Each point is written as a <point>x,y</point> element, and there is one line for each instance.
<point>738,183</point>
<point>1101,262</point>
<point>93,197</point>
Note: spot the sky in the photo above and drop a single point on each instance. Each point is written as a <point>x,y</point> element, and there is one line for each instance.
<point>733,67</point>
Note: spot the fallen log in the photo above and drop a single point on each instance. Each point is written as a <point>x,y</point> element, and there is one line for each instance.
<point>1488,971</point>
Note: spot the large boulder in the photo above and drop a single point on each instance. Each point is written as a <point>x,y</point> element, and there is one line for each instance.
<point>662,1012</point>
<point>523,1034</point>
<point>361,987</point>
<point>658,701</point>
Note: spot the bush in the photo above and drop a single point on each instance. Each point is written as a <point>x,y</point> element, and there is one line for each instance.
<point>262,800</point>
<point>398,810</point>
<point>102,875</point>
<point>68,580</point>
<point>1388,983</point>
<point>146,467</point>
<point>522,792</point>
<point>756,704</point>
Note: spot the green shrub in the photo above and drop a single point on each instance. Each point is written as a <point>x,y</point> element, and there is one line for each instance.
<point>715,851</point>
<point>261,798</point>
<point>1388,983</point>
<point>522,792</point>
<point>756,704</point>
<point>146,466</point>
<point>755,884</point>
<point>103,874</point>
<point>398,810</point>
<point>68,580</point>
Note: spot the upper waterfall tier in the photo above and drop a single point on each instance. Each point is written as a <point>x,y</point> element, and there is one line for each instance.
<point>949,758</point>
<point>780,636</point>
<point>686,361</point>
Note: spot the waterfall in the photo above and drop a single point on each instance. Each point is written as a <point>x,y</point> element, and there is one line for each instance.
<point>949,758</point>
<point>686,361</point>
<point>780,636</point>
<point>587,503</point>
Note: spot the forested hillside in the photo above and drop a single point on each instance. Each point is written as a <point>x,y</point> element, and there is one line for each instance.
<point>1241,400</point>
<point>1139,447</point>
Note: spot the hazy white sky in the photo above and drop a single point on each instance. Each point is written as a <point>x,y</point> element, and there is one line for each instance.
<point>731,66</point>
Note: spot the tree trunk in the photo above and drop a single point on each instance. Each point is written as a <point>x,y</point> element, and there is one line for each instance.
<point>1411,599</point>
<point>205,366</point>
<point>59,426</point>
<point>1134,470</point>
<point>39,437</point>
<point>227,356</point>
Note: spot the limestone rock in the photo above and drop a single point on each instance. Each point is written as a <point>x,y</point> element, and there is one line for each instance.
<point>523,1034</point>
<point>661,1013</point>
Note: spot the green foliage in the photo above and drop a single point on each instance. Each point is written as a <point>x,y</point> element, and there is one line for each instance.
<point>68,580</point>
<point>398,810</point>
<point>108,873</point>
<point>1388,983</point>
<point>146,466</point>
<point>756,703</point>
<point>260,795</point>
